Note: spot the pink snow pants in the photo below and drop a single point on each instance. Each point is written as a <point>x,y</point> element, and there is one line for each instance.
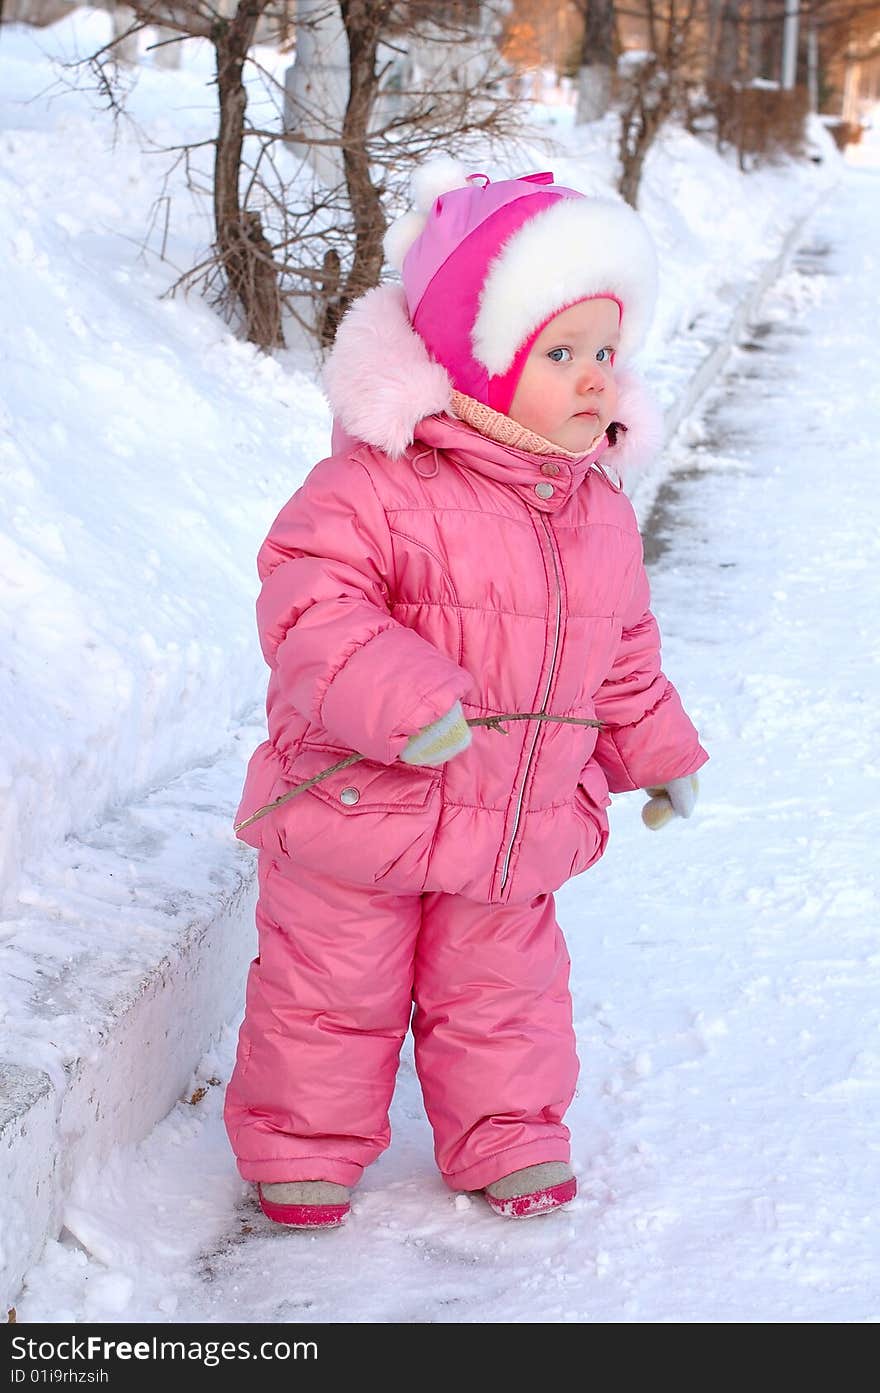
<point>329,1001</point>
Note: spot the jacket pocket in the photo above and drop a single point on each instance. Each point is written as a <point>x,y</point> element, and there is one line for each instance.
<point>261,786</point>
<point>369,823</point>
<point>591,800</point>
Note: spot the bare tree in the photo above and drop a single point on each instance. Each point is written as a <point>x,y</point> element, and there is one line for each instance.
<point>242,252</point>
<point>830,30</point>
<point>660,84</point>
<point>244,249</point>
<point>703,62</point>
<point>647,104</point>
<point>843,40</point>
<point>422,78</point>
<point>286,239</point>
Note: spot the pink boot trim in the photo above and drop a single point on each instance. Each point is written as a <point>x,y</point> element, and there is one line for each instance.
<point>537,1202</point>
<point>304,1216</point>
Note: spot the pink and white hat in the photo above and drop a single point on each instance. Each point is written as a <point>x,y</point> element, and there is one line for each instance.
<point>485,266</point>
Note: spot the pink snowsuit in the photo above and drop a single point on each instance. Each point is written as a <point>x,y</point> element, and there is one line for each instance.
<point>393,585</point>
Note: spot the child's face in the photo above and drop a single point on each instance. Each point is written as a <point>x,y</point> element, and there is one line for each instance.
<point>566,391</point>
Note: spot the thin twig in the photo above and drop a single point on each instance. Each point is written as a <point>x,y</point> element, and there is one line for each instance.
<point>493,722</point>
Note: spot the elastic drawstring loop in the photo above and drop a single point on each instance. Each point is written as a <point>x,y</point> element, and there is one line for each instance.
<point>610,475</point>
<point>426,474</point>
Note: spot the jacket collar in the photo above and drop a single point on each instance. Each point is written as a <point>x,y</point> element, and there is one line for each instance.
<point>545,482</point>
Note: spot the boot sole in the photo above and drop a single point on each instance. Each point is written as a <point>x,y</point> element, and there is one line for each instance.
<point>304,1216</point>
<point>536,1202</point>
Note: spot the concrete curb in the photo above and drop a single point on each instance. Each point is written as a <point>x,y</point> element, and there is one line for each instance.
<point>146,1013</point>
<point>137,997</point>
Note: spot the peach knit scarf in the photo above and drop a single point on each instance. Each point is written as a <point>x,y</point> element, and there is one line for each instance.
<point>505,431</point>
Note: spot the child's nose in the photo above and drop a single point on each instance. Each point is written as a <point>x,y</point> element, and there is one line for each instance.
<point>591,378</point>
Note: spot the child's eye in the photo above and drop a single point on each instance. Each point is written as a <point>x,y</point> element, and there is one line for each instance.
<point>557,355</point>
<point>605,355</point>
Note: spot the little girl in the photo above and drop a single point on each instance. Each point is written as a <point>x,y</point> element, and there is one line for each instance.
<point>465,553</point>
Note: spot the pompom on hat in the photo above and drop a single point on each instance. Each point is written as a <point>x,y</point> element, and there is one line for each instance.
<point>485,266</point>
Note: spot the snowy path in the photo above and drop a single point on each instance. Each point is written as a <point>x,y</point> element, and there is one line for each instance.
<point>726,972</point>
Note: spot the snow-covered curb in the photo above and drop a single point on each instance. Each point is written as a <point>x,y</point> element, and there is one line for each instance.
<point>135,1010</point>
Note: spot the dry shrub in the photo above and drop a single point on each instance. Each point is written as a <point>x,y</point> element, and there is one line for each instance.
<point>844,133</point>
<point>763,124</point>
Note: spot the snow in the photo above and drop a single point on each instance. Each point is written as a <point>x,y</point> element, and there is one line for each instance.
<point>725,971</point>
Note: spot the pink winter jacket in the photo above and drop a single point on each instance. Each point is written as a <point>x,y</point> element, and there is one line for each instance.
<point>401,577</point>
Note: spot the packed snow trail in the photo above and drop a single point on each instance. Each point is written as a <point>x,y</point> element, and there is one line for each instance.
<point>725,971</point>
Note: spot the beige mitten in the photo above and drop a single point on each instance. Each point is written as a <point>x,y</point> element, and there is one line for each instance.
<point>440,740</point>
<point>677,798</point>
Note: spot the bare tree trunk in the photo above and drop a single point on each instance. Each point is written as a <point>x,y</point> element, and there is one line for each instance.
<point>643,114</point>
<point>309,254</point>
<point>596,73</point>
<point>364,21</point>
<point>251,273</point>
<point>653,27</point>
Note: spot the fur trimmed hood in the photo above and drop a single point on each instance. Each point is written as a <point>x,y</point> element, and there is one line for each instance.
<point>381,382</point>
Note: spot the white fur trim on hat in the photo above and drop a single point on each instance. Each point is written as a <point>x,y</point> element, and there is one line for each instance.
<point>576,248</point>
<point>433,179</point>
<point>379,378</point>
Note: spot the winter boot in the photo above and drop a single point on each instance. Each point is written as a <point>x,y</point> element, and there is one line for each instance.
<point>533,1190</point>
<point>305,1204</point>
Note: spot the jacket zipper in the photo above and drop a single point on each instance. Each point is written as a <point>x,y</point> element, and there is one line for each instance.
<point>505,868</point>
